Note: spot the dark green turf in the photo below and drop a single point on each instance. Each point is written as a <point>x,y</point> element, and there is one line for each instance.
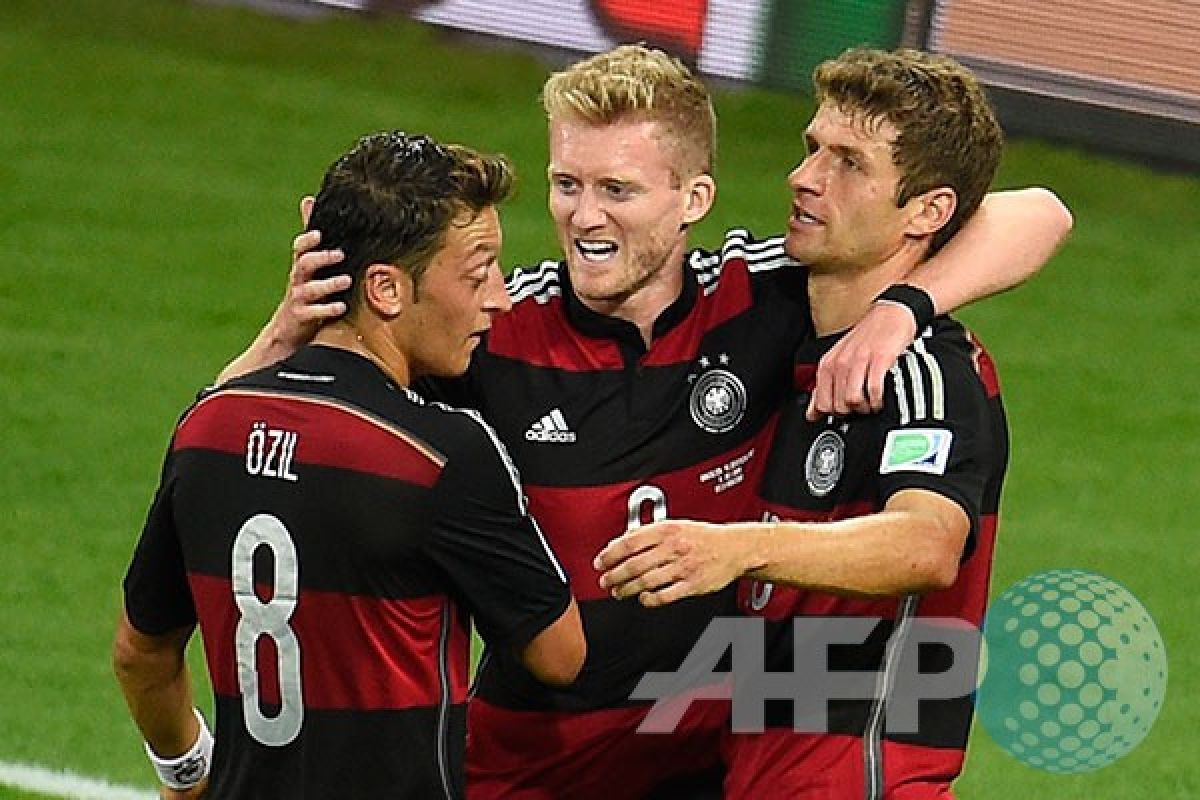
<point>151,156</point>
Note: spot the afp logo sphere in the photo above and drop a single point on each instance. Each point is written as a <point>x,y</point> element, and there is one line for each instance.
<point>1075,671</point>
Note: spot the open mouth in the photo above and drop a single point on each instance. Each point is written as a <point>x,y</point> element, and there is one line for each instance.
<point>595,251</point>
<point>801,217</point>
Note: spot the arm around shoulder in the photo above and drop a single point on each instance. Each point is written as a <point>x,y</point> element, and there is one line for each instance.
<point>1005,242</point>
<point>913,545</point>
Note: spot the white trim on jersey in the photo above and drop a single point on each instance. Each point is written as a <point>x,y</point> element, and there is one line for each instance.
<point>918,384</point>
<point>541,283</point>
<point>305,377</point>
<point>936,384</point>
<point>514,477</point>
<point>901,393</point>
<point>760,255</point>
<point>885,683</point>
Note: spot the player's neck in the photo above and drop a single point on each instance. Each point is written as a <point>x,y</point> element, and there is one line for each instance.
<point>371,343</point>
<point>645,304</point>
<point>839,298</point>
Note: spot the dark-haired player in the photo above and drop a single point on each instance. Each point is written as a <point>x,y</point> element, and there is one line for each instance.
<point>333,534</point>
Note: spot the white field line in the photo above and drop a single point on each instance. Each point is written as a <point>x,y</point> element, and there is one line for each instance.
<point>68,785</point>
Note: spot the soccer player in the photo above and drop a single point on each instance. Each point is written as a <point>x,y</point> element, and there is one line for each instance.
<point>636,379</point>
<point>888,517</point>
<point>333,534</point>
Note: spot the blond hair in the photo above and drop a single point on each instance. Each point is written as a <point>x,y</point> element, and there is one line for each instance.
<point>636,82</point>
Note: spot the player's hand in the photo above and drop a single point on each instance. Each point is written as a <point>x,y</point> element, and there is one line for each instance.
<point>304,308</point>
<point>667,561</point>
<point>850,376</point>
<point>197,791</point>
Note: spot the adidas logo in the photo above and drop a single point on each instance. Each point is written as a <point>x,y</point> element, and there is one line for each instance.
<point>550,428</point>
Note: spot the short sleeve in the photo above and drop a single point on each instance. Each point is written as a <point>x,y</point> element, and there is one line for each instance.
<point>936,431</point>
<point>492,550</point>
<point>157,596</point>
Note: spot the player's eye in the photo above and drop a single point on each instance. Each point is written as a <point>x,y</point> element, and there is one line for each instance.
<point>562,183</point>
<point>617,191</point>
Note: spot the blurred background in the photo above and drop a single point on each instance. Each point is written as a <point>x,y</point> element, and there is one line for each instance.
<point>153,153</point>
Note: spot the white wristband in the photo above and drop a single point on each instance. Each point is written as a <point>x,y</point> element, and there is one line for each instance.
<point>187,770</point>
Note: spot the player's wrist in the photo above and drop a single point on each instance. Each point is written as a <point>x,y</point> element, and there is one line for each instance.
<point>914,299</point>
<point>189,769</point>
<point>754,548</point>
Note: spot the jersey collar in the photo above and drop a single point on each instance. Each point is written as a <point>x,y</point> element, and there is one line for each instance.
<point>626,333</point>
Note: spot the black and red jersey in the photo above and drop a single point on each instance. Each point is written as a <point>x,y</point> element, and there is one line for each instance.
<point>610,434</point>
<point>942,430</point>
<point>333,535</point>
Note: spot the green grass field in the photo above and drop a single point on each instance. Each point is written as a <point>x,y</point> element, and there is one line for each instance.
<point>151,157</point>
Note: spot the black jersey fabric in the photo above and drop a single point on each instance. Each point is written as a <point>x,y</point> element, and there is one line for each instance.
<point>943,430</point>
<point>610,434</point>
<point>333,534</point>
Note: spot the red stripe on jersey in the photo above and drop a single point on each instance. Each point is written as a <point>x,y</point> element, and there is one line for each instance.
<point>356,652</point>
<point>804,377</point>
<point>732,297</point>
<point>329,435</point>
<point>844,511</point>
<point>967,598</point>
<point>781,764</point>
<point>578,521</point>
<point>540,338</point>
<point>984,366</point>
<point>587,755</point>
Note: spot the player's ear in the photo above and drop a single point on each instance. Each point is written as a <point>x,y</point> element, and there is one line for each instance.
<point>387,289</point>
<point>701,194</point>
<point>931,211</point>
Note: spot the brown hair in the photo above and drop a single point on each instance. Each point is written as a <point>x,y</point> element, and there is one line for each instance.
<point>947,131</point>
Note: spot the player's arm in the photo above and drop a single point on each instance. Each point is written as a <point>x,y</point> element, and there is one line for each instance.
<point>913,545</point>
<point>303,308</point>
<point>492,550</point>
<point>153,675</point>
<point>556,654</point>
<point>1005,242</point>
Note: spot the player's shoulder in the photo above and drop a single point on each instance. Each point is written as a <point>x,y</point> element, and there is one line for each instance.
<point>538,283</point>
<point>218,394</point>
<point>459,432</point>
<point>939,368</point>
<point>946,338</point>
<point>739,246</point>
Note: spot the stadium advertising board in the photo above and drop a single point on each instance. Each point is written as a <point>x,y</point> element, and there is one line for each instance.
<point>775,42</point>
<point>1139,57</point>
<point>1121,76</point>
